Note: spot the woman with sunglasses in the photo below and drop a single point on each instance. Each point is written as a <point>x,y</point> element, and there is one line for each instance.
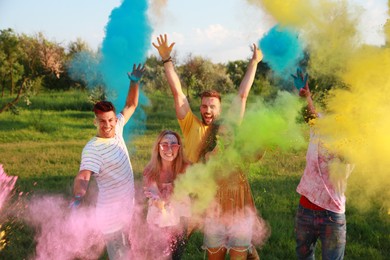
<point>166,217</point>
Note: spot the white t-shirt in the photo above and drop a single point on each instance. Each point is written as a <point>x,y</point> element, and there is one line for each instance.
<point>109,161</point>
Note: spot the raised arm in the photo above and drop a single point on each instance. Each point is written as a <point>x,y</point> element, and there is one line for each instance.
<point>239,103</point>
<point>133,94</point>
<point>181,103</point>
<point>301,82</point>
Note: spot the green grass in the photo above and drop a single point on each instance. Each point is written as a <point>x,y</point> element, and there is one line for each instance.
<point>42,146</point>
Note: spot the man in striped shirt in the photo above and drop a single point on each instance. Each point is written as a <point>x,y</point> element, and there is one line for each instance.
<point>106,158</point>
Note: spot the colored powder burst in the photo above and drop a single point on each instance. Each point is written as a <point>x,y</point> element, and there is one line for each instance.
<point>265,126</point>
<point>332,39</point>
<point>291,13</point>
<point>7,184</point>
<point>357,120</point>
<point>127,40</point>
<point>63,233</point>
<point>327,29</point>
<point>126,43</point>
<point>358,124</point>
<point>272,125</point>
<point>85,67</point>
<point>282,50</point>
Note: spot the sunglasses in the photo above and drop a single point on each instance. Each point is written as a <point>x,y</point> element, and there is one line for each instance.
<point>166,146</point>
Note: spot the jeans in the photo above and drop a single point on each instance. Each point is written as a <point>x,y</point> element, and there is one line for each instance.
<point>329,227</point>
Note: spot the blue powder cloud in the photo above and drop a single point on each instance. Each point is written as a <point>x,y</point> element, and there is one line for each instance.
<point>85,67</point>
<point>282,50</point>
<point>127,40</point>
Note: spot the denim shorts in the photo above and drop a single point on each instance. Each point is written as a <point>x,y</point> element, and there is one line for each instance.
<point>237,233</point>
<point>328,226</point>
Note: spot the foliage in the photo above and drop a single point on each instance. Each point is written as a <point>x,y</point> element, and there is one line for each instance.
<point>154,77</point>
<point>76,47</point>
<point>11,68</point>
<point>84,68</point>
<point>29,64</point>
<point>25,61</point>
<point>24,93</point>
<point>97,94</point>
<point>199,74</point>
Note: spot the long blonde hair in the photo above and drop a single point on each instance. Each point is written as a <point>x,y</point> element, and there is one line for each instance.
<point>153,168</point>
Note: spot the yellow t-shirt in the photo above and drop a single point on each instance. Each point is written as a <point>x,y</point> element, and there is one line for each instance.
<point>193,131</point>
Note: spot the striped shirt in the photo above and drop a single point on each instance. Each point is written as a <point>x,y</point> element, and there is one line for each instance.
<point>109,161</point>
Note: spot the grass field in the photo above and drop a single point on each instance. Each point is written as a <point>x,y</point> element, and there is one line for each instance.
<point>42,146</point>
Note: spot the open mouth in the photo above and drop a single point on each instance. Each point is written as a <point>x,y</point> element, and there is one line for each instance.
<point>208,118</point>
<point>169,156</point>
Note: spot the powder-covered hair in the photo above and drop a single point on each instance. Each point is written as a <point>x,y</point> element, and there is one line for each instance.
<point>103,106</point>
<point>153,168</point>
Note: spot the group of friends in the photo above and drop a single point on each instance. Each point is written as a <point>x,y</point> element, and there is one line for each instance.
<point>231,221</point>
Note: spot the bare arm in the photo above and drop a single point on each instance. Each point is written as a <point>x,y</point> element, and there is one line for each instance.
<point>181,103</point>
<point>301,82</point>
<point>133,94</point>
<point>240,101</point>
<point>305,92</point>
<point>80,184</point>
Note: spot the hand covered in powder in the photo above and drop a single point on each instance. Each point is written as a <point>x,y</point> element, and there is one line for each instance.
<point>300,80</point>
<point>136,75</point>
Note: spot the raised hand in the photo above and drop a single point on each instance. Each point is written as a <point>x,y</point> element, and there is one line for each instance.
<point>163,49</point>
<point>257,54</point>
<point>300,81</point>
<point>137,73</point>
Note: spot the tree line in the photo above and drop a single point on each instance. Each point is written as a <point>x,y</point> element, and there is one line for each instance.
<point>30,64</point>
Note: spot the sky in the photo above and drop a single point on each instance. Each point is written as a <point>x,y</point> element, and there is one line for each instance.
<point>221,30</point>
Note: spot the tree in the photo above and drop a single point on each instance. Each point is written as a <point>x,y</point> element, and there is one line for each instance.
<point>11,69</point>
<point>199,74</point>
<point>76,47</point>
<point>236,71</point>
<point>25,61</point>
<point>154,77</point>
<point>50,55</point>
<point>83,67</point>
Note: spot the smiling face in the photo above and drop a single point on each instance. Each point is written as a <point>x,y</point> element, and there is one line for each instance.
<point>169,147</point>
<point>105,123</point>
<point>210,109</point>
